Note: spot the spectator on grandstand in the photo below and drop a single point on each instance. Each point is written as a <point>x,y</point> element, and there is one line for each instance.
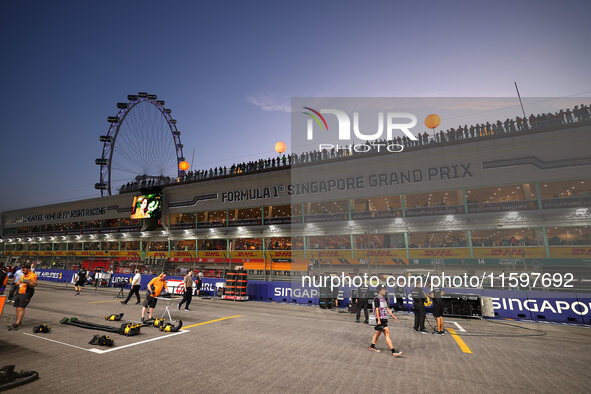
<point>554,240</point>
<point>562,118</point>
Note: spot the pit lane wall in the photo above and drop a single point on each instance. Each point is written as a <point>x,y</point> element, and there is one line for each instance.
<point>124,280</point>
<point>517,304</point>
<point>511,304</point>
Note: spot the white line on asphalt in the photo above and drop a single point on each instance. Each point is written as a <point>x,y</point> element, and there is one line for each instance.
<point>458,326</point>
<point>99,351</point>
<point>53,340</point>
<point>139,343</point>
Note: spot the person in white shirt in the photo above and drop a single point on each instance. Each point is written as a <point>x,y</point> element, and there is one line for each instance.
<point>15,281</point>
<point>135,287</point>
<point>198,283</point>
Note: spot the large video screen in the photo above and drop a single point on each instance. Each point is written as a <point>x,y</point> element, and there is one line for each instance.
<point>146,206</point>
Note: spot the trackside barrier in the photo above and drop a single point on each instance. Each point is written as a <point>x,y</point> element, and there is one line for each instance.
<point>66,276</point>
<point>512,304</point>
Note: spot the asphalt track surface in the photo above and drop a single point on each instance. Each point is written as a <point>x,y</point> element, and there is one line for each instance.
<point>270,347</point>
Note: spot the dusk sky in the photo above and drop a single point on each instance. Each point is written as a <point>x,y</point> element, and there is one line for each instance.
<point>228,70</point>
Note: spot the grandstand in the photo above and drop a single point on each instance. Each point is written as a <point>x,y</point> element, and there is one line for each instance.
<point>497,196</point>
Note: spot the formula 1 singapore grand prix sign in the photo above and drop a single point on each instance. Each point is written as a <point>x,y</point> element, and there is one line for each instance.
<point>393,178</point>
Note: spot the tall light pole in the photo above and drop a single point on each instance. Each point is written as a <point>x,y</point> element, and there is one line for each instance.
<point>520,102</point>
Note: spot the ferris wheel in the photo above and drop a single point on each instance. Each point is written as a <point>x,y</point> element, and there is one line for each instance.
<point>142,142</point>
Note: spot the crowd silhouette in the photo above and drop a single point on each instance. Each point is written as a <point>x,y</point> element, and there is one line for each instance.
<point>519,125</point>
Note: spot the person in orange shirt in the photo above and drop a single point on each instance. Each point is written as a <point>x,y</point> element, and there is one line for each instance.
<point>26,289</point>
<point>155,287</point>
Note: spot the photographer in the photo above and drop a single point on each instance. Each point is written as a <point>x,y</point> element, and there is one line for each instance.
<point>155,287</point>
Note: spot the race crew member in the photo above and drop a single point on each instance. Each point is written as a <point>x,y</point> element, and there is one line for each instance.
<point>26,289</point>
<point>155,287</point>
<point>198,283</point>
<point>399,295</point>
<point>16,276</point>
<point>135,287</point>
<point>381,312</point>
<point>438,309</point>
<point>81,278</point>
<point>418,301</point>
<point>361,301</point>
<point>188,291</point>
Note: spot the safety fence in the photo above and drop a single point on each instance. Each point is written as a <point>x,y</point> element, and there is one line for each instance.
<point>510,304</point>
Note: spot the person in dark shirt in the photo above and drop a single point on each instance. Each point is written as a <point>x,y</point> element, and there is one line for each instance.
<point>418,298</point>
<point>3,279</point>
<point>399,295</point>
<point>80,281</point>
<point>361,301</point>
<point>381,312</point>
<point>436,294</point>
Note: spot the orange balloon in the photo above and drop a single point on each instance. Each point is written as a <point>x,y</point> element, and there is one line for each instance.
<point>432,121</point>
<point>184,166</point>
<point>280,147</point>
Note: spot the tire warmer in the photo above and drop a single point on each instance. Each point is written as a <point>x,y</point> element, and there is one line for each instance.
<point>127,329</point>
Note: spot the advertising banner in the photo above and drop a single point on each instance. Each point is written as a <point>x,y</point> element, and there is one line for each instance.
<point>244,254</point>
<point>533,305</point>
<point>182,254</point>
<point>208,285</point>
<point>157,255</point>
<point>55,275</point>
<point>279,254</point>
<point>512,304</point>
<point>212,254</point>
<point>328,254</point>
<point>517,252</point>
<point>380,254</point>
<point>439,253</point>
<point>570,252</point>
